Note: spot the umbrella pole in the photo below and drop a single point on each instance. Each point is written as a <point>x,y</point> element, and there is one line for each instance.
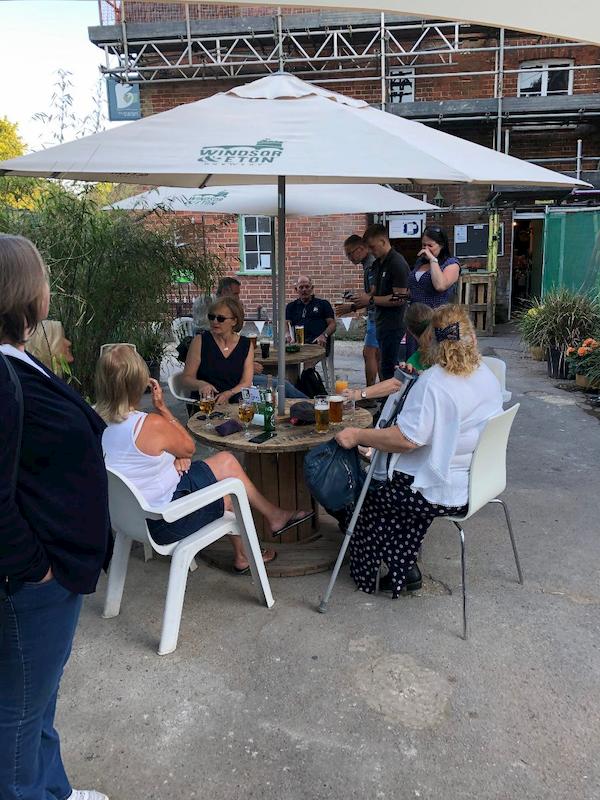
<point>281,293</point>
<point>274,316</point>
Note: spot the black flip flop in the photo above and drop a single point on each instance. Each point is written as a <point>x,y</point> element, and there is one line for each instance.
<point>246,570</point>
<point>292,522</point>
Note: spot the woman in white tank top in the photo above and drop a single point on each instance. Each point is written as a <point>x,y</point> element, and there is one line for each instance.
<point>153,451</point>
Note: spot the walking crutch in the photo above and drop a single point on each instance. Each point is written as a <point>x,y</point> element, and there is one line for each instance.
<point>408,380</point>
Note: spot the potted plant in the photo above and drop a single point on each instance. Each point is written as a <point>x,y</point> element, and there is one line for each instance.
<point>592,369</point>
<point>564,316</point>
<point>530,324</point>
<point>584,360</point>
<point>151,343</point>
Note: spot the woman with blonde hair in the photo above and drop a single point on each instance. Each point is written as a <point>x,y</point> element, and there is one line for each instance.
<point>430,449</point>
<point>54,532</point>
<point>49,345</point>
<point>153,451</point>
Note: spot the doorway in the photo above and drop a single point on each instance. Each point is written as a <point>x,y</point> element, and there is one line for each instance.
<point>528,257</point>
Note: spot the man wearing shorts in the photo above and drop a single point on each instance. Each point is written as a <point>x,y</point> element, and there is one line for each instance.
<point>358,253</point>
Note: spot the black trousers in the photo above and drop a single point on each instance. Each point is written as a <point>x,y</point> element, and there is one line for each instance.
<point>389,348</point>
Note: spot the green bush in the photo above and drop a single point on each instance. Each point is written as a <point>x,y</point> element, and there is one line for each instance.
<point>111,271</point>
<point>562,317</point>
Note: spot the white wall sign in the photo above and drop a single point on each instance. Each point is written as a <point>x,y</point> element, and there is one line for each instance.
<point>460,233</point>
<point>406,226</point>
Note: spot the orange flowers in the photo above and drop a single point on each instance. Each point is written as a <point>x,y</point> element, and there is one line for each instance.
<point>583,351</point>
<point>590,343</point>
<point>571,350</point>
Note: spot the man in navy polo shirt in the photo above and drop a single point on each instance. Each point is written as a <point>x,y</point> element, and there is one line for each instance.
<point>315,314</point>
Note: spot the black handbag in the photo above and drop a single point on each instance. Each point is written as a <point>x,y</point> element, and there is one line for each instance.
<point>334,475</point>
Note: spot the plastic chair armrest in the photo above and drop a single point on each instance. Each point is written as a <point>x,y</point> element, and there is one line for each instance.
<point>177,509</point>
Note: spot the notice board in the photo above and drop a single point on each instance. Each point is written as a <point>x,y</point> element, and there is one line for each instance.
<point>471,241</point>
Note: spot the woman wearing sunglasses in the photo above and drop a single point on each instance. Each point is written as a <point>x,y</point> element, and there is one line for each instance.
<point>220,360</point>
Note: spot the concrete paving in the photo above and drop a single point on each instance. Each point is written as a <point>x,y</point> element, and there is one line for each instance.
<point>376,699</point>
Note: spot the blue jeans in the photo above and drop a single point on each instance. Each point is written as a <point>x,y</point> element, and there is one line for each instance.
<point>389,347</point>
<point>290,390</point>
<point>37,625</point>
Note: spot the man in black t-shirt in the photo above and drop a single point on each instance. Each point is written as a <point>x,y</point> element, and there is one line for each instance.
<point>315,314</point>
<point>388,298</point>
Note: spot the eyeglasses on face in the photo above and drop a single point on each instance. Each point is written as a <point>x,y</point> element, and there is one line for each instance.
<point>352,252</point>
<point>304,286</point>
<point>218,317</point>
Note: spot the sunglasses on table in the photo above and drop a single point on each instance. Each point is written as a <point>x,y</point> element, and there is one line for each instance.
<point>218,317</point>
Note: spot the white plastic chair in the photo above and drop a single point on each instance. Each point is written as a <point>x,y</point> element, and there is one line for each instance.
<point>177,389</point>
<point>327,364</point>
<point>487,480</point>
<point>129,512</point>
<point>498,367</point>
<point>182,327</point>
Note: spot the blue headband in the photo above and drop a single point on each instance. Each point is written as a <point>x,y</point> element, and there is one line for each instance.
<point>450,334</point>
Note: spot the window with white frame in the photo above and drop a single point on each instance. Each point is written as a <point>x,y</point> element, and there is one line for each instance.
<point>402,85</point>
<point>545,78</point>
<point>257,244</point>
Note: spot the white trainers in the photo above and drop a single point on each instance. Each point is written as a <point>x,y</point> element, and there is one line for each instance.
<point>86,794</point>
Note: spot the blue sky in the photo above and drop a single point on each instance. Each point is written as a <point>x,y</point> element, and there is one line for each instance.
<point>38,37</point>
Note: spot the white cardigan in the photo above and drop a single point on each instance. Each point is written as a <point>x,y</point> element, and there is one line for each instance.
<point>444,414</point>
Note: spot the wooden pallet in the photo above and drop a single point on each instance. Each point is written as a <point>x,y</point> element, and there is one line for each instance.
<point>478,292</point>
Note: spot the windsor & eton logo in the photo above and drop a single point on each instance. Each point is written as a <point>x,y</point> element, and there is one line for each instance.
<point>263,152</point>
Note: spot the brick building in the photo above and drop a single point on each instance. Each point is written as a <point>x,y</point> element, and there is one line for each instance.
<point>533,97</point>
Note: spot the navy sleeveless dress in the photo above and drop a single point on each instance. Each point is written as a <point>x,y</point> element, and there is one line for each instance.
<point>223,373</point>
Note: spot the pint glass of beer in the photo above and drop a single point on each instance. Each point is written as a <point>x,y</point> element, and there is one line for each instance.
<point>322,413</point>
<point>336,409</point>
<point>299,334</point>
<point>252,337</point>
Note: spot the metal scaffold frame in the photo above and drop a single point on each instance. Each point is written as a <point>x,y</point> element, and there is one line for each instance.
<point>368,50</point>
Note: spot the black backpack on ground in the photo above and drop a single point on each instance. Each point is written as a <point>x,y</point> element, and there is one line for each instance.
<point>310,383</point>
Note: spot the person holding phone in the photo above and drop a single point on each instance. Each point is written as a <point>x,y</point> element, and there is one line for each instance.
<point>154,452</point>
<point>388,297</point>
<point>434,276</point>
<point>55,533</point>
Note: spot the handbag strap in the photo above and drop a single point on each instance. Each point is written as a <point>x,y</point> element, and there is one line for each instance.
<point>14,378</point>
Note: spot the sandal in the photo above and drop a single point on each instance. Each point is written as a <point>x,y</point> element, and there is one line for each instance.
<point>293,521</point>
<point>246,570</point>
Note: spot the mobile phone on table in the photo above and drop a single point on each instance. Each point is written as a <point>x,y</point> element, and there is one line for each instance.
<point>262,437</point>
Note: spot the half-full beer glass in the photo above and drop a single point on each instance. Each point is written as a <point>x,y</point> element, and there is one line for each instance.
<point>322,413</point>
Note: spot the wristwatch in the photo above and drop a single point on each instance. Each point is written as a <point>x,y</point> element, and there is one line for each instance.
<point>372,301</point>
<point>363,394</point>
<point>434,259</point>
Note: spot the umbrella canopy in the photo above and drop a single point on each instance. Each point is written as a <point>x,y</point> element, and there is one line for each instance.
<point>302,200</point>
<point>279,125</point>
<point>582,22</point>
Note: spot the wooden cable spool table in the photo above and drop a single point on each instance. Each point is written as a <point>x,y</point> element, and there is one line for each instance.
<point>276,467</point>
<point>310,353</point>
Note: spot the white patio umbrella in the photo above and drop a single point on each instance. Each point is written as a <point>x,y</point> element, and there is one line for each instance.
<point>582,22</point>
<point>281,130</point>
<point>302,200</point>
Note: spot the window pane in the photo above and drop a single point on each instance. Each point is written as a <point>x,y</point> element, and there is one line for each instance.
<point>265,261</point>
<point>558,81</point>
<point>265,243</point>
<point>250,243</point>
<point>264,225</point>
<point>530,82</point>
<point>250,224</point>
<point>251,261</point>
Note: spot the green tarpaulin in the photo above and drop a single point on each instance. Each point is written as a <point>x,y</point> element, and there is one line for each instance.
<point>572,251</point>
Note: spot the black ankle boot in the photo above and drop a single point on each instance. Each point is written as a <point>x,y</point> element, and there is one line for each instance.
<point>414,581</point>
